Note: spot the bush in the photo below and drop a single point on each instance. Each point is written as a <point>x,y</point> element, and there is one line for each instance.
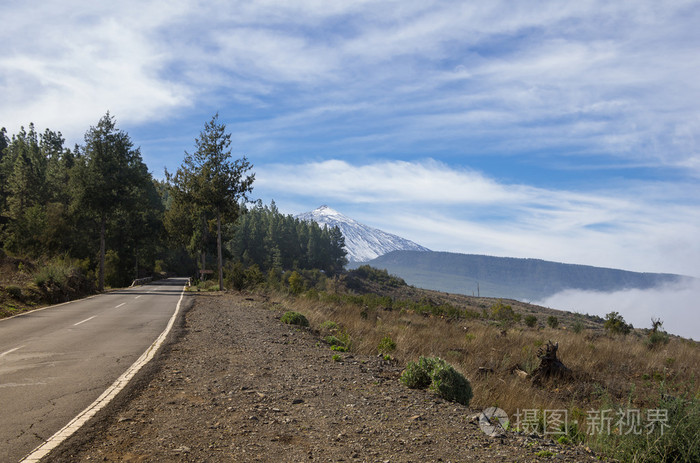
<point>615,324</point>
<point>504,313</point>
<point>577,327</point>
<point>657,339</point>
<point>234,276</point>
<point>531,321</point>
<point>294,318</point>
<point>296,283</point>
<point>552,321</point>
<point>440,376</point>
<point>417,374</point>
<point>386,345</point>
<point>15,292</point>
<point>333,341</point>
<point>329,327</point>
<point>55,273</point>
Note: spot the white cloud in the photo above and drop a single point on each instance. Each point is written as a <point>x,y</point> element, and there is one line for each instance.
<point>64,70</point>
<point>676,305</point>
<point>617,78</point>
<point>641,227</point>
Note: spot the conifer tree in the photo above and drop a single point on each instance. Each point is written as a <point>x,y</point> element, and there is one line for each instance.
<point>108,177</point>
<point>212,182</point>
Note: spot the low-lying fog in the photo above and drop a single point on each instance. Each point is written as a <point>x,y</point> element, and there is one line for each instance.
<point>676,305</point>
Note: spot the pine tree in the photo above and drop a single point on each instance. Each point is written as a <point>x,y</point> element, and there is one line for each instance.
<point>108,178</point>
<point>212,182</point>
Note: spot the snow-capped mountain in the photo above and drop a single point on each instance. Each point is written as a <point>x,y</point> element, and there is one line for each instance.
<point>363,243</point>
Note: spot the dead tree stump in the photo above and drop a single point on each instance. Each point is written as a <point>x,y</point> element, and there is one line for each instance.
<point>550,366</point>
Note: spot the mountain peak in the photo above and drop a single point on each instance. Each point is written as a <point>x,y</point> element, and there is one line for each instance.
<point>363,243</point>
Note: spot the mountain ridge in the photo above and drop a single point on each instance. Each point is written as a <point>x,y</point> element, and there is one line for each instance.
<point>511,277</point>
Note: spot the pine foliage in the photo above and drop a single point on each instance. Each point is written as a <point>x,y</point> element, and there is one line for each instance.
<point>274,241</point>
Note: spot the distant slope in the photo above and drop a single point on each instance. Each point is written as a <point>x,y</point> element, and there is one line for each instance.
<point>362,242</point>
<point>522,279</point>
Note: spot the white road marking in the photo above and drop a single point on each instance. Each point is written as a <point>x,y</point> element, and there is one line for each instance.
<point>10,351</point>
<point>123,303</point>
<point>86,320</point>
<point>116,387</point>
<point>47,307</point>
<point>137,296</point>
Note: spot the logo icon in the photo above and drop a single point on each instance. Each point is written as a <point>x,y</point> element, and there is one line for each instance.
<point>493,422</point>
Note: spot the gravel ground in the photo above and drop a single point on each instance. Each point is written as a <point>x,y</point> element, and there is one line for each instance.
<point>238,385</point>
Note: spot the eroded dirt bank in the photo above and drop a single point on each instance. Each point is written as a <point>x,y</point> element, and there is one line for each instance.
<point>241,386</point>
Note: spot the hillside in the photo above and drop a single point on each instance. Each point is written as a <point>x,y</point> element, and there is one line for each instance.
<point>522,279</point>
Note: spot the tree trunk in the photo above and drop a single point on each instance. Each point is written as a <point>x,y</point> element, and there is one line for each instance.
<point>219,258</point>
<point>205,229</point>
<point>101,276</point>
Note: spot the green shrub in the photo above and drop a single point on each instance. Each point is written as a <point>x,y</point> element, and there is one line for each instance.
<point>337,358</point>
<point>296,283</point>
<point>15,292</point>
<point>615,324</point>
<point>294,318</point>
<point>254,276</point>
<point>502,312</point>
<point>329,327</point>
<point>531,321</point>
<point>440,376</point>
<point>55,273</point>
<point>386,345</point>
<point>552,321</point>
<point>577,327</point>
<point>333,341</point>
<point>417,374</point>
<point>657,339</point>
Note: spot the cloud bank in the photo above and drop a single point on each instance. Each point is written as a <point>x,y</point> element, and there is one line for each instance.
<point>677,306</point>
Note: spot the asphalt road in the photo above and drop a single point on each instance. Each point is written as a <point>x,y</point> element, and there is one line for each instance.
<point>55,362</point>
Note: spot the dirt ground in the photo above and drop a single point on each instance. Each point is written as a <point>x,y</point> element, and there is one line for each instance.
<point>238,385</point>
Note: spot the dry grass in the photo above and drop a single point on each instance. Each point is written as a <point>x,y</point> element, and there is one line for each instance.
<point>606,369</point>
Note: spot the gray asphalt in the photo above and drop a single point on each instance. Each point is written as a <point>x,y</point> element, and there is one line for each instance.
<point>57,361</point>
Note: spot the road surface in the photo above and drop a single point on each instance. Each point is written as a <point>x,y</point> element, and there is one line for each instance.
<point>55,362</point>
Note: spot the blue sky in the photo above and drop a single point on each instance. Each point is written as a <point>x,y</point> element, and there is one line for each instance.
<point>558,130</point>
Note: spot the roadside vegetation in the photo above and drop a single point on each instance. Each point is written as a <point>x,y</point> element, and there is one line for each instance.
<point>494,344</point>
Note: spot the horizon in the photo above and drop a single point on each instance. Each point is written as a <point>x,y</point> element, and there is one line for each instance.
<point>562,132</point>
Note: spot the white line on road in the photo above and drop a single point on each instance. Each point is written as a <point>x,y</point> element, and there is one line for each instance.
<point>86,320</point>
<point>123,303</point>
<point>137,296</point>
<point>121,382</point>
<point>10,351</point>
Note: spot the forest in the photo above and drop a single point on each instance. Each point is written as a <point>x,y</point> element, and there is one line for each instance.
<point>97,209</point>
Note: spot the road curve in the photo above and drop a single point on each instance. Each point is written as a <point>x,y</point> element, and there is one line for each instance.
<point>56,362</point>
